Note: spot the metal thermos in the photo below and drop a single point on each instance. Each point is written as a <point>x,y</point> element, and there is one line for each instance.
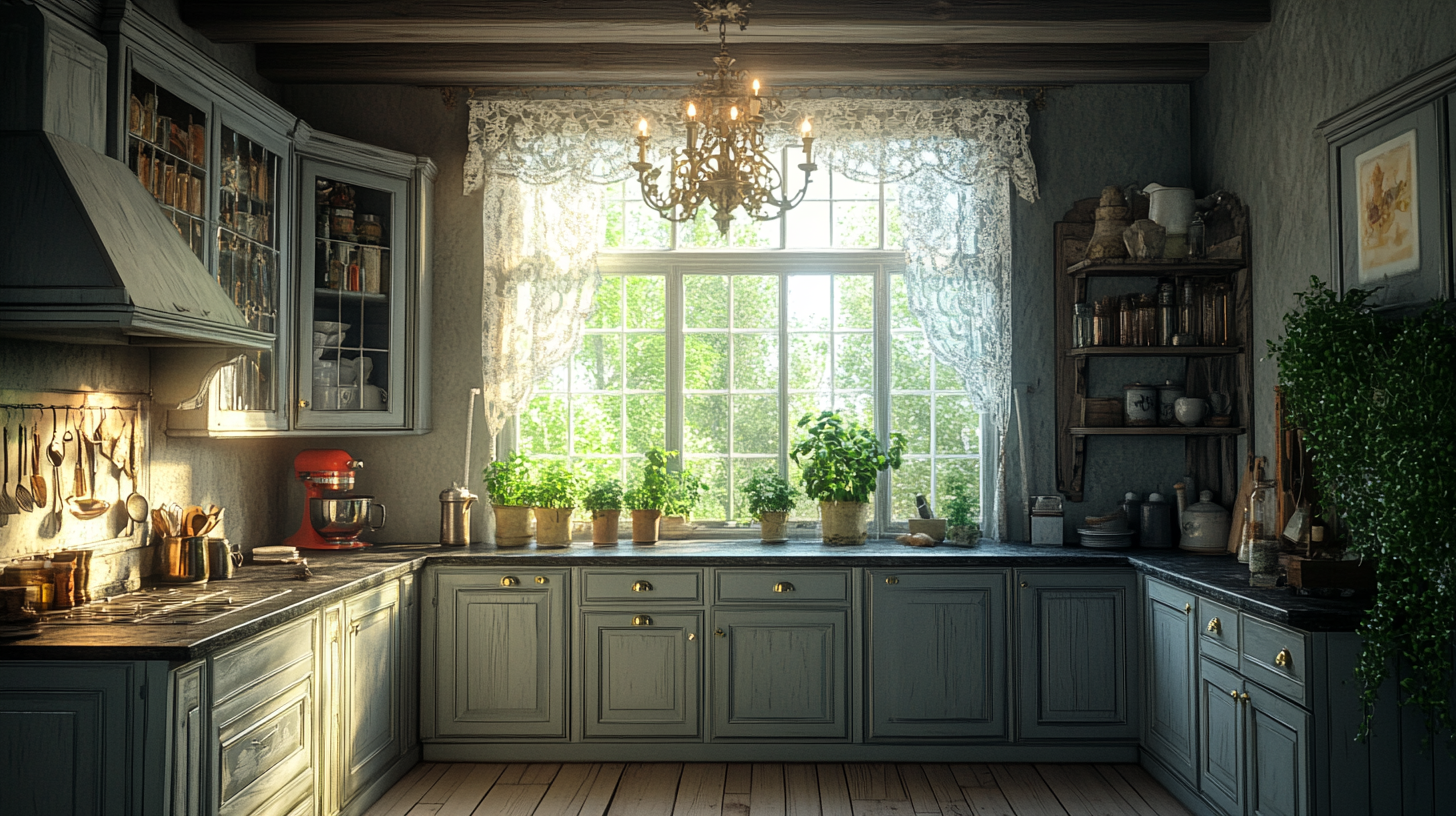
<point>223,558</point>
<point>455,516</point>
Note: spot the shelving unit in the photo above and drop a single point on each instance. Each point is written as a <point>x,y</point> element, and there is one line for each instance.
<point>1210,449</point>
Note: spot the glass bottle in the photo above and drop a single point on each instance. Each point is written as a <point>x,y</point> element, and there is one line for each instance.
<point>1263,535</point>
<point>1188,312</point>
<point>1197,242</point>
<point>1167,314</point>
<point>1222,295</point>
<point>1081,325</point>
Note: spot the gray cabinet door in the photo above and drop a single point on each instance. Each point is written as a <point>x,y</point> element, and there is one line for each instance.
<point>780,673</point>
<point>189,742</point>
<point>501,651</point>
<point>1170,666</point>
<point>643,674</point>
<point>937,654</point>
<point>370,713</point>
<point>1078,645</point>
<point>1277,744</point>
<point>1220,736</point>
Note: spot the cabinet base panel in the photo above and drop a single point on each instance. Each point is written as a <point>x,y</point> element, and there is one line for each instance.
<point>369,795</point>
<point>762,752</point>
<point>1178,786</point>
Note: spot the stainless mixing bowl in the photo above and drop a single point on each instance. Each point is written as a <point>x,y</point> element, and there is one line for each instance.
<point>343,518</point>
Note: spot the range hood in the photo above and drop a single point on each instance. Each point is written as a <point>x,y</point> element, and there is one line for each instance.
<point>86,256</point>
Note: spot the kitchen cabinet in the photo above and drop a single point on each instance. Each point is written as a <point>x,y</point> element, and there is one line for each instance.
<point>1077,640</point>
<point>781,673</point>
<point>188,749</point>
<point>937,654</point>
<point>372,692</point>
<point>498,653</point>
<point>1257,746</point>
<point>1170,667</point>
<point>643,673</point>
<point>362,359</point>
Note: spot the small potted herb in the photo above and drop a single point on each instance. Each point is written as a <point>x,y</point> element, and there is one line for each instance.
<point>842,461</point>
<point>770,498</point>
<point>687,490</point>
<point>652,492</point>
<point>553,495</point>
<point>961,506</point>
<point>604,500</point>
<point>508,483</point>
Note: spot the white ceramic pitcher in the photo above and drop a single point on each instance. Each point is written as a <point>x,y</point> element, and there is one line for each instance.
<point>1170,207</point>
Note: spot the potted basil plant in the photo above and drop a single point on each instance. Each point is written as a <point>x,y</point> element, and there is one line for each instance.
<point>508,483</point>
<point>604,500</point>
<point>961,506</point>
<point>770,498</point>
<point>687,490</point>
<point>842,460</point>
<point>553,496</point>
<point>652,492</point>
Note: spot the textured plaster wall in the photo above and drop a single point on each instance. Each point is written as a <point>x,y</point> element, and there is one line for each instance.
<point>1254,132</point>
<point>1089,136</point>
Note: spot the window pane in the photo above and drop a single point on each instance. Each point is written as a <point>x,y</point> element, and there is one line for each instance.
<point>603,468</point>
<point>957,426</point>
<point>847,188</point>
<point>857,224</point>
<point>608,304</point>
<point>705,424</point>
<point>809,302</point>
<point>900,315</point>
<point>646,362</point>
<point>705,362</point>
<point>597,365</point>
<point>947,470</point>
<point>713,472</point>
<point>702,231</point>
<point>747,233</point>
<point>799,405</point>
<point>705,301</point>
<point>808,361</point>
<point>646,302</point>
<point>912,477</point>
<point>756,424</point>
<point>908,369</point>
<point>854,364</point>
<point>854,302</point>
<point>755,301</point>
<point>894,226</point>
<point>755,362</point>
<point>859,407</point>
<point>808,226</point>
<point>645,229</point>
<point>597,424</point>
<point>910,415</point>
<point>615,237</point>
<point>646,422</point>
<point>543,426</point>
<point>556,380</point>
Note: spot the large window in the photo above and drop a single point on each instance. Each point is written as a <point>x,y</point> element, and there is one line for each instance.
<point>717,353</point>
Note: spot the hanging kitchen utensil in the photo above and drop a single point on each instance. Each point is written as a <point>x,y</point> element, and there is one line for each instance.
<point>51,524</point>
<point>24,499</point>
<point>136,503</point>
<point>86,506</point>
<point>8,507</point>
<point>78,477</point>
<point>38,490</point>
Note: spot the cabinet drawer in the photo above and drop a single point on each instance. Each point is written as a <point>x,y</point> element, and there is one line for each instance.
<point>252,662</point>
<point>1276,657</point>
<point>642,586</point>
<point>265,749</point>
<point>1218,632</point>
<point>783,586</point>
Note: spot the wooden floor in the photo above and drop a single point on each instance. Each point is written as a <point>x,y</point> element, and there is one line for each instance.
<point>774,789</point>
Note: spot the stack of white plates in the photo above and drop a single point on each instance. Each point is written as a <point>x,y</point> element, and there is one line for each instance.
<point>1105,539</point>
<point>275,555</point>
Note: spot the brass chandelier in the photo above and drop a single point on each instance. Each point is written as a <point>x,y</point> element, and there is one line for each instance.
<point>724,162</point>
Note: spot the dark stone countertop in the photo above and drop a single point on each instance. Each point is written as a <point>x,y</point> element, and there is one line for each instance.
<point>338,574</point>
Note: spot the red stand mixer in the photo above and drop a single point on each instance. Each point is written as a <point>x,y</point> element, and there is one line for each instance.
<point>331,520</point>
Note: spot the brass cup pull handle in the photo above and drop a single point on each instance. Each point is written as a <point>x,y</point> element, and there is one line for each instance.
<point>1024,585</point>
<point>510,580</point>
<point>1187,608</point>
<point>1234,693</point>
<point>1284,659</point>
<point>641,586</point>
<point>540,579</point>
<point>641,620</point>
<point>783,586</point>
<point>1244,698</point>
<point>892,580</point>
<point>718,632</point>
<point>1215,626</point>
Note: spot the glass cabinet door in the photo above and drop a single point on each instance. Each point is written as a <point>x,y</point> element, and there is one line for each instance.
<point>166,147</point>
<point>352,321</point>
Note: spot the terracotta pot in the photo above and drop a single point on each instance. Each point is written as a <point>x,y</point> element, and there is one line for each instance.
<point>605,524</point>
<point>844,522</point>
<point>644,526</point>
<point>553,527</point>
<point>512,525</point>
<point>774,527</point>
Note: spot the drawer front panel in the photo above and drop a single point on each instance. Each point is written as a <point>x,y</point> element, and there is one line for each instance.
<point>782,586</point>
<point>262,657</point>
<point>264,750</point>
<point>1275,656</point>
<point>642,586</point>
<point>1218,632</point>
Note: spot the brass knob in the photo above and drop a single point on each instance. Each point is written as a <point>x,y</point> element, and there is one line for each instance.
<point>692,636</point>
<point>354,629</point>
<point>641,620</point>
<point>303,403</point>
<point>1215,627</point>
<point>1283,659</point>
<point>641,586</point>
<point>540,579</point>
<point>1187,608</point>
<point>510,581</point>
<point>892,580</point>
<point>783,586</point>
<point>1024,584</point>
<point>718,632</point>
<point>1244,698</point>
<point>1234,693</point>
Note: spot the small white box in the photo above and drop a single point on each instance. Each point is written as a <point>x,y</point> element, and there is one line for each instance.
<point>1046,521</point>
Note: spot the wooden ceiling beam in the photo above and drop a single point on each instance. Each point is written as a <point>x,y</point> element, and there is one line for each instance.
<point>670,21</point>
<point>803,64</point>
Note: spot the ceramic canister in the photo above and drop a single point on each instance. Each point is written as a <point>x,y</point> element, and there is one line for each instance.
<point>1156,527</point>
<point>1140,404</point>
<point>1168,394</point>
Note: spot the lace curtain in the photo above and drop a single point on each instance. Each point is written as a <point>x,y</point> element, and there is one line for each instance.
<point>957,162</point>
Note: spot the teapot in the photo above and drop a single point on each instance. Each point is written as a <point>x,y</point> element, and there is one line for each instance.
<point>1205,526</point>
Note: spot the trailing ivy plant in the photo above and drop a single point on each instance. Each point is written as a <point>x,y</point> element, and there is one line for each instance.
<point>508,482</point>
<point>841,458</point>
<point>1376,397</point>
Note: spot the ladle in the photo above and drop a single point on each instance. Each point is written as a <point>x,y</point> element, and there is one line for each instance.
<point>51,524</point>
<point>136,503</point>
<point>23,498</point>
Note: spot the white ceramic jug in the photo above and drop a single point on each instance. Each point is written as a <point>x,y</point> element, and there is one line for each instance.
<point>1170,207</point>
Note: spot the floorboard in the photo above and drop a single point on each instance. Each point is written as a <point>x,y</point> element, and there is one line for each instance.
<point>775,789</point>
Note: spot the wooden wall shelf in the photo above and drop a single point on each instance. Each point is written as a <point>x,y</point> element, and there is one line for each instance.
<point>1156,430</point>
<point>1156,351</point>
<point>1146,269</point>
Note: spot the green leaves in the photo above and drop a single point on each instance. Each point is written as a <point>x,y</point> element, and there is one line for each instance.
<point>556,485</point>
<point>605,494</point>
<point>842,459</point>
<point>1376,398</point>
<point>656,486</point>
<point>960,502</point>
<point>508,482</point>
<point>768,492</point>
